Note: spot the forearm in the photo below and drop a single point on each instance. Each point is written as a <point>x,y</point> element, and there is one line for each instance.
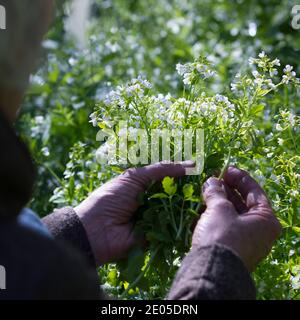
<point>64,224</point>
<point>212,273</point>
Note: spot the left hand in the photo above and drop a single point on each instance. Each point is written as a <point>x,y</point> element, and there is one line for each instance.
<point>107,213</point>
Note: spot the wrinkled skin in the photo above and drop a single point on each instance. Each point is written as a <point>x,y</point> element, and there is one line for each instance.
<point>238,215</point>
<point>107,214</point>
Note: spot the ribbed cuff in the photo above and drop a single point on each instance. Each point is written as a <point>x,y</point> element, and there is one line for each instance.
<point>212,273</point>
<point>64,224</point>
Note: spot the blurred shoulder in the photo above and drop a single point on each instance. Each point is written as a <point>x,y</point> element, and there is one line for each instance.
<point>39,267</point>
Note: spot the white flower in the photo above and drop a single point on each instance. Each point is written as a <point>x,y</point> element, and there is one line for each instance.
<point>289,75</point>
<point>276,62</point>
<point>187,79</point>
<point>278,127</point>
<point>274,262</point>
<point>274,178</point>
<point>262,55</point>
<point>233,87</point>
<point>291,119</point>
<point>293,193</point>
<point>39,119</point>
<point>280,141</point>
<point>181,69</point>
<point>288,68</point>
<point>221,98</point>
<point>285,79</point>
<point>144,82</point>
<point>94,120</point>
<point>190,71</point>
<point>45,151</point>
<point>282,178</point>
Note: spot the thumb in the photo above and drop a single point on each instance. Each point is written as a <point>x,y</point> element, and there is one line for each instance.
<point>215,196</point>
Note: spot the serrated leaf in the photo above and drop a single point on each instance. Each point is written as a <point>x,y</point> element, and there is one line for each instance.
<point>188,191</point>
<point>169,186</point>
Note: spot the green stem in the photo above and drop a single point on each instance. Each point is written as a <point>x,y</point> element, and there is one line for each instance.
<point>293,139</point>
<point>181,221</point>
<point>172,215</point>
<point>51,172</point>
<point>226,164</point>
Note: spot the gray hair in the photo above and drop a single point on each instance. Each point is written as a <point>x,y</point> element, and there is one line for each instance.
<point>20,41</point>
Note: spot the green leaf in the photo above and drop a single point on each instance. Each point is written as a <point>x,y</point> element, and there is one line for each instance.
<point>117,169</point>
<point>296,229</point>
<point>256,110</point>
<point>283,223</point>
<point>214,161</point>
<point>188,191</point>
<point>159,196</point>
<point>112,277</point>
<point>169,186</point>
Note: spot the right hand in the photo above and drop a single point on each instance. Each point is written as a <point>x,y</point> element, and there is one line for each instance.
<point>239,216</point>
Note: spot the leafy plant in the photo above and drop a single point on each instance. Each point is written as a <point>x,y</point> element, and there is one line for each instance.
<point>232,136</point>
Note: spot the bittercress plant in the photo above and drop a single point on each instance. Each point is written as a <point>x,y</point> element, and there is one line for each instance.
<point>240,128</point>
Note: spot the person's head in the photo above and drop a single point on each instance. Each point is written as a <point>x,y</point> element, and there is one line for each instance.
<point>26,23</point>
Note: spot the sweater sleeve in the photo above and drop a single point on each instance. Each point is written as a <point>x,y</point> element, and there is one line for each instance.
<point>212,273</point>
<point>64,224</point>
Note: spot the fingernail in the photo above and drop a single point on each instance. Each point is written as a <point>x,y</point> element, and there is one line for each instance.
<point>212,182</point>
<point>187,163</point>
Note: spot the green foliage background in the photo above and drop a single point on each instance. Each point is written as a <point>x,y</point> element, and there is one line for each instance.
<point>128,38</point>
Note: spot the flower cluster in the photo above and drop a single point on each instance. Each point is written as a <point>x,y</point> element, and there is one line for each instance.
<point>289,75</point>
<point>192,72</point>
<point>263,78</point>
<point>266,64</point>
<point>135,87</point>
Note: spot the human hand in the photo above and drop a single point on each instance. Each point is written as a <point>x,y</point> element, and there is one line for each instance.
<point>107,213</point>
<point>239,216</point>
